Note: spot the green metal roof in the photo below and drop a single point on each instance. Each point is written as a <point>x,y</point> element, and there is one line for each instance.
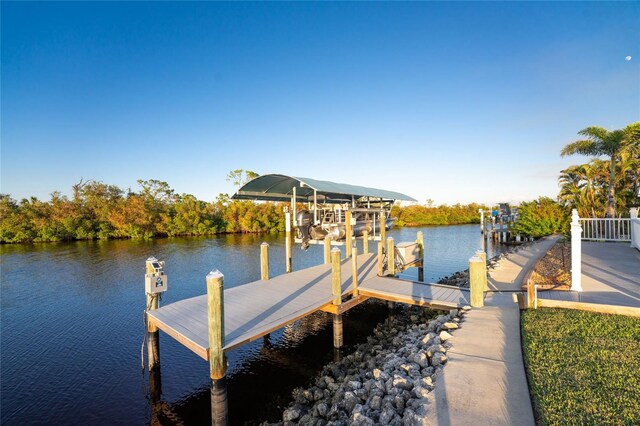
<point>276,187</point>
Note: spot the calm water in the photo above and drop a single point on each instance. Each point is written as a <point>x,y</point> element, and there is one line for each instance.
<point>72,327</point>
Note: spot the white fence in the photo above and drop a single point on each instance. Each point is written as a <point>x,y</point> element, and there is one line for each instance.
<point>606,229</point>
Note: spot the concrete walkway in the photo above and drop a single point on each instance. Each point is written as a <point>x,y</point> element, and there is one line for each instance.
<point>484,382</point>
<point>610,274</point>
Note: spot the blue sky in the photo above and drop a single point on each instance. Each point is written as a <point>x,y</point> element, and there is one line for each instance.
<point>456,102</point>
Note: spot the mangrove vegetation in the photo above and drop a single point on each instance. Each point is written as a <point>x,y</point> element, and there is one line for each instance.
<point>97,210</point>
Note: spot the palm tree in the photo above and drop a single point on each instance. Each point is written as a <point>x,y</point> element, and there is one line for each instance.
<point>600,141</point>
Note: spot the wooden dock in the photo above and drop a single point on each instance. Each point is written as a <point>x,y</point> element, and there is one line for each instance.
<point>255,309</point>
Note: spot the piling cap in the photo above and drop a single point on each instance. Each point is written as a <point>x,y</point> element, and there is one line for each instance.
<point>215,274</point>
<point>475,258</point>
<point>335,249</point>
<point>152,259</point>
<point>264,243</point>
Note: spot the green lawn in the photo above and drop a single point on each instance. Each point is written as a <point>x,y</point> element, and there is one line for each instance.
<point>583,368</point>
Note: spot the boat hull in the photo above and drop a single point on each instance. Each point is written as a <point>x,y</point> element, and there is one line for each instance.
<point>338,231</point>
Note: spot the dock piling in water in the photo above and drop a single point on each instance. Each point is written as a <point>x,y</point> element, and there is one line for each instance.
<point>217,358</point>
<point>288,242</point>
<point>219,406</point>
<point>336,289</point>
<point>264,262</point>
<point>153,336</point>
<point>420,241</point>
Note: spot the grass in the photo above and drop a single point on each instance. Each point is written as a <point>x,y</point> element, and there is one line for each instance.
<point>583,367</point>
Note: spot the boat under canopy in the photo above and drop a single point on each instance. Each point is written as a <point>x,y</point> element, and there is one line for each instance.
<point>328,203</point>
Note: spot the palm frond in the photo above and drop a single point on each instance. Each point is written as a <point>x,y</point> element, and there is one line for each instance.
<point>594,133</point>
<point>582,147</point>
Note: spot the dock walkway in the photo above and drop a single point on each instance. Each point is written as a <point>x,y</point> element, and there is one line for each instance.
<point>255,309</point>
<point>484,381</point>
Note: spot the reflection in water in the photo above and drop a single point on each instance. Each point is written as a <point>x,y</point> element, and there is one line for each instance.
<point>78,306</point>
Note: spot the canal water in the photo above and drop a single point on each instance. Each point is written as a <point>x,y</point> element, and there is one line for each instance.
<point>72,328</point>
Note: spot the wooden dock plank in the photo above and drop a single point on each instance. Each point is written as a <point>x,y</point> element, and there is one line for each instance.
<point>415,293</point>
<point>260,307</point>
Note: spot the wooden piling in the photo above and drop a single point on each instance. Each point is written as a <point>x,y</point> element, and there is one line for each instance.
<point>380,257</point>
<point>365,242</point>
<point>336,276</point>
<point>155,386</point>
<point>153,350</point>
<point>288,243</point>
<point>327,250</point>
<point>482,255</point>
<point>383,227</point>
<point>215,310</point>
<point>391,263</point>
<point>349,233</point>
<point>530,295</point>
<point>217,358</point>
<point>487,235</point>
<point>354,271</point>
<point>337,331</point>
<point>477,275</point>
<point>420,241</point>
<point>153,336</point>
<point>336,289</point>
<point>219,406</point>
<point>264,262</point>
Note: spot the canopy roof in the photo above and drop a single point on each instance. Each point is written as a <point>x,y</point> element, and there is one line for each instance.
<point>275,187</point>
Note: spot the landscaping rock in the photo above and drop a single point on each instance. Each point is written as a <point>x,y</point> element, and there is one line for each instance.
<point>444,336</point>
<point>387,380</point>
<point>450,326</point>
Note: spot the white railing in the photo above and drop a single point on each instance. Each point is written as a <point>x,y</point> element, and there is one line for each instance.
<point>606,229</point>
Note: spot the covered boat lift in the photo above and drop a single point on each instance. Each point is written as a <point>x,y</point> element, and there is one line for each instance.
<point>276,187</point>
<point>345,200</point>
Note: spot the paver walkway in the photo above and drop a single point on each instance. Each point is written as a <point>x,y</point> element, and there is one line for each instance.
<point>484,382</point>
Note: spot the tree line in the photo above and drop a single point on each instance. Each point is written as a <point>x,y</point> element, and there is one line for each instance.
<point>602,187</point>
<point>97,210</point>
<point>100,211</point>
<point>426,215</point>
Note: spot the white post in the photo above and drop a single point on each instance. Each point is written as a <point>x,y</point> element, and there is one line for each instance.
<point>481,220</point>
<point>576,252</point>
<point>635,238</point>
